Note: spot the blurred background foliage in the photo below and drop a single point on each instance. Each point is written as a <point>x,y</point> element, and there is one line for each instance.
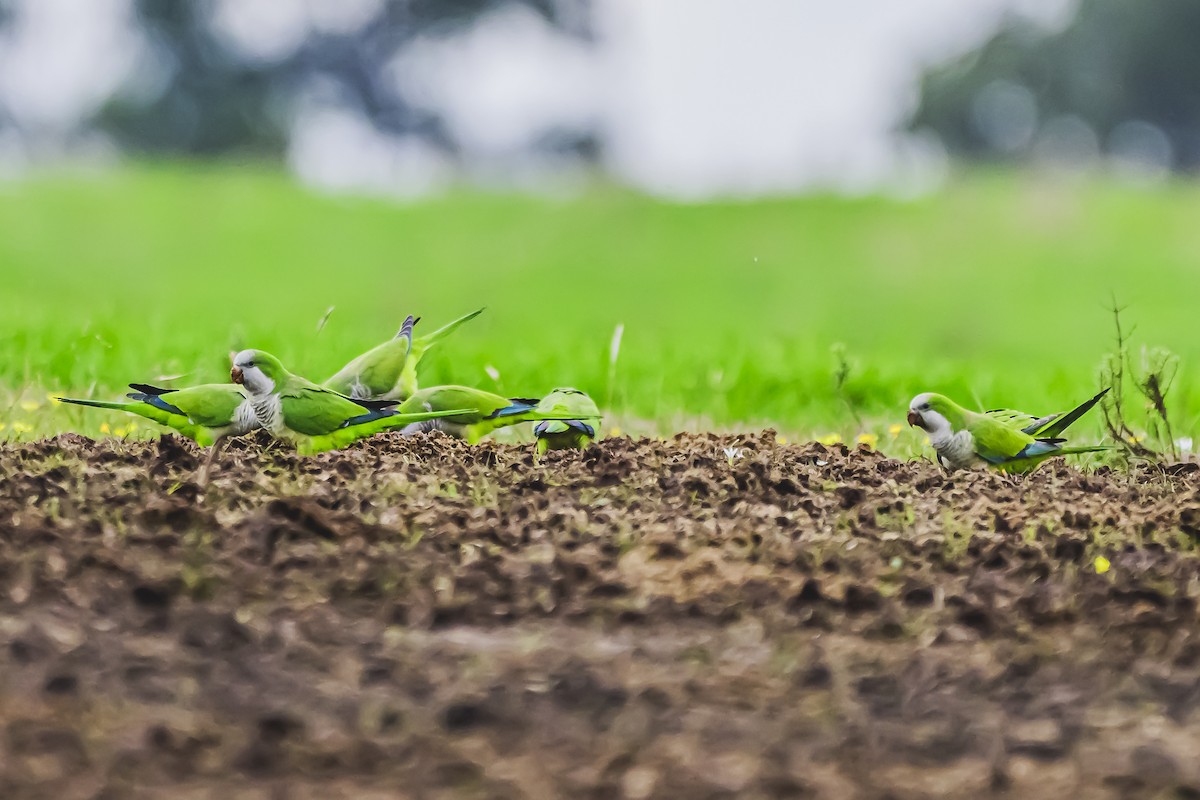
<point>221,90</point>
<point>1120,78</point>
<point>1081,81</point>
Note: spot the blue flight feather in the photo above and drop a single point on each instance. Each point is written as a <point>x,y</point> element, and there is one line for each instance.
<point>1039,448</point>
<point>370,416</point>
<point>156,401</point>
<point>513,410</point>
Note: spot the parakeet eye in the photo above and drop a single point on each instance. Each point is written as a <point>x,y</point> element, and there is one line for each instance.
<point>925,406</point>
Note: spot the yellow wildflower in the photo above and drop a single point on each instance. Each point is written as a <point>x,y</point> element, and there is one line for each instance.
<point>3,426</point>
<point>615,430</point>
<point>894,430</point>
<point>830,438</point>
<point>120,432</point>
<point>780,439</point>
<point>30,405</point>
<point>21,427</point>
<point>1101,564</point>
<point>869,439</point>
<point>104,427</point>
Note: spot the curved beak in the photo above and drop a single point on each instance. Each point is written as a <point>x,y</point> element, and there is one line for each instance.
<point>914,419</point>
<point>235,375</point>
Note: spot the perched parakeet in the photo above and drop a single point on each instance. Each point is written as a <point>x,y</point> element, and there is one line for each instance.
<point>312,417</point>
<point>564,434</point>
<point>205,413</point>
<point>492,411</point>
<point>965,438</point>
<point>389,371</point>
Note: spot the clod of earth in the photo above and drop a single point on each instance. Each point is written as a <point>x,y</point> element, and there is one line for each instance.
<point>641,618</point>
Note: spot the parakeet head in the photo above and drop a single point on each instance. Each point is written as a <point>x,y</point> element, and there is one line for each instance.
<point>930,412</point>
<point>259,371</point>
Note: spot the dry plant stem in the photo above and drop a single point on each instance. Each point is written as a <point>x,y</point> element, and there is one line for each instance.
<point>841,374</point>
<point>1160,371</point>
<point>1113,405</point>
<point>206,469</point>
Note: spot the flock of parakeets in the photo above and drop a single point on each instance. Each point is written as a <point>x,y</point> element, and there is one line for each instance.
<point>378,391</point>
<point>375,392</point>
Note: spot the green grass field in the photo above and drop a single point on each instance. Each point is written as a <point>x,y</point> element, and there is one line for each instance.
<point>994,290</point>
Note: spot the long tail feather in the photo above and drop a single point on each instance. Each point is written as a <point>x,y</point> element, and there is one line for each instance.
<point>1022,465</point>
<point>1062,423</point>
<point>1099,448</point>
<point>96,403</point>
<point>423,343</point>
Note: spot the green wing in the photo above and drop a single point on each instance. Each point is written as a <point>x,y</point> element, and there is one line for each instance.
<point>212,405</point>
<point>1020,421</point>
<point>376,372</point>
<point>316,411</point>
<point>995,441</point>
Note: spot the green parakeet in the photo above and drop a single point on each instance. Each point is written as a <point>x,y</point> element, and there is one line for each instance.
<point>389,371</point>
<point>965,438</point>
<point>492,411</point>
<point>312,417</point>
<point>564,434</point>
<point>205,413</point>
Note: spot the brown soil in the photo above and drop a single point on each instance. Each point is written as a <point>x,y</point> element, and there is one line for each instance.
<point>646,619</point>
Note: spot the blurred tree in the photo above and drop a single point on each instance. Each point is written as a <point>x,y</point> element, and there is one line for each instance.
<point>201,95</point>
<point>1122,77</point>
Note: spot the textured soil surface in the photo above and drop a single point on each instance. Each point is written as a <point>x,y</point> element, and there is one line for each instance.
<point>646,619</point>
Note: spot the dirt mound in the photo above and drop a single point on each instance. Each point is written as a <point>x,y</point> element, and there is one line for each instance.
<point>708,617</point>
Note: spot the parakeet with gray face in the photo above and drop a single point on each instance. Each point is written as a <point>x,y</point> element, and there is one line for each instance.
<point>311,417</point>
<point>966,439</point>
<point>565,434</point>
<point>389,371</point>
<point>491,411</point>
<point>205,414</point>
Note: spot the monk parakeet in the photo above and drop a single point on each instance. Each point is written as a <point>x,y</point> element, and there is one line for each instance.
<point>564,434</point>
<point>492,411</point>
<point>389,371</point>
<point>312,417</point>
<point>205,413</point>
<point>965,438</point>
